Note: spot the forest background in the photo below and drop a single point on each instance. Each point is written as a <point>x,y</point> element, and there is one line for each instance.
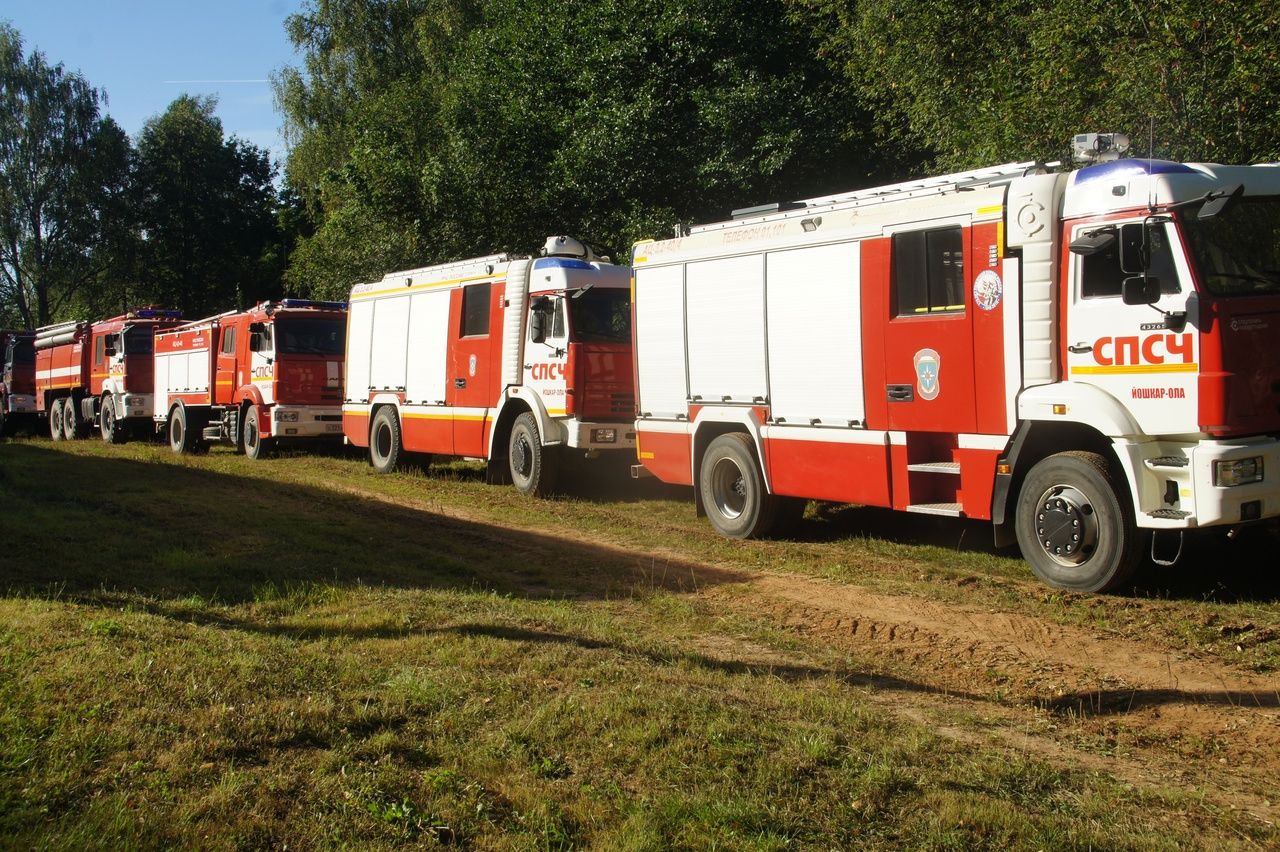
<point>425,130</point>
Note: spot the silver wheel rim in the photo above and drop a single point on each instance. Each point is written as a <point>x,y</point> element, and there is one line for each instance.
<point>521,456</point>
<point>728,489</point>
<point>1066,526</point>
<point>251,433</point>
<point>175,433</point>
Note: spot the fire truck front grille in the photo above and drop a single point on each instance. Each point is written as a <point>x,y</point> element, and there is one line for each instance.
<point>622,403</point>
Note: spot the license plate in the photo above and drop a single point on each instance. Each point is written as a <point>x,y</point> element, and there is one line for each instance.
<point>333,427</point>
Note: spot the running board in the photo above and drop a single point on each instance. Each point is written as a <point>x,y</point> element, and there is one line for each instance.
<point>950,510</point>
<point>935,467</point>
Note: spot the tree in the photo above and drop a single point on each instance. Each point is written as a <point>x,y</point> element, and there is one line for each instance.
<point>206,210</point>
<point>63,177</point>
<point>980,83</point>
<point>431,130</point>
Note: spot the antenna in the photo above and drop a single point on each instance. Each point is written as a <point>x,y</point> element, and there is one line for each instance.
<point>1151,158</point>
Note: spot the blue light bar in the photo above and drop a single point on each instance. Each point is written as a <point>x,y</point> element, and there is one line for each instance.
<point>154,313</point>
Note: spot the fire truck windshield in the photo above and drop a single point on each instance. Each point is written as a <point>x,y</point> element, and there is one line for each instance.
<point>22,353</point>
<point>1237,252</point>
<point>601,315</point>
<point>138,340</point>
<point>310,336</point>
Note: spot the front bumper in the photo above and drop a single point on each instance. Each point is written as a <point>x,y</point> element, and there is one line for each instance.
<point>306,421</point>
<point>1187,471</point>
<point>594,436</point>
<point>20,403</point>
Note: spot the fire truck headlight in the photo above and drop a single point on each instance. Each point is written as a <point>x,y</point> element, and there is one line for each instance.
<point>604,436</point>
<point>133,401</point>
<point>1237,472</point>
<point>287,416</point>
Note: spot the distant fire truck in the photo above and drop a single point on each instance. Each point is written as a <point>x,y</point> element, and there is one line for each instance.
<point>17,379</point>
<point>98,373</point>
<point>1086,358</point>
<point>250,378</point>
<point>517,361</point>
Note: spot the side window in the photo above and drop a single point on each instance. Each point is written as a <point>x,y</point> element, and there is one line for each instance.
<point>99,349</point>
<point>1101,275</point>
<point>475,310</point>
<point>928,272</point>
<point>229,341</point>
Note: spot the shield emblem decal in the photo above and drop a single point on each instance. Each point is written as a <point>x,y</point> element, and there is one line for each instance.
<point>928,366</point>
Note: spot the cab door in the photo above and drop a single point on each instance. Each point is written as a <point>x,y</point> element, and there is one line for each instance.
<point>225,379</point>
<point>928,339</point>
<point>468,392</point>
<point>1128,351</point>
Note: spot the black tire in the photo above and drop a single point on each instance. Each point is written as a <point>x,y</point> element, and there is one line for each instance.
<point>72,422</point>
<point>180,430</point>
<point>55,420</point>
<point>386,448</point>
<point>255,446</point>
<point>113,431</point>
<point>732,489</point>
<point>1075,524</point>
<point>535,469</point>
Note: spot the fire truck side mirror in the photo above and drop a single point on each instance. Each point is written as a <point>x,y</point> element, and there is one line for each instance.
<point>540,319</point>
<point>1094,242</point>
<point>1140,290</point>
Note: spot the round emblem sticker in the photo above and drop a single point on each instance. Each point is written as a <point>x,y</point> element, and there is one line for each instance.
<point>987,289</point>
<point>928,366</point>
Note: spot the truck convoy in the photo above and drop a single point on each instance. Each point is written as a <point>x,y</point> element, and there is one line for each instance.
<point>513,360</point>
<point>98,373</point>
<point>1085,358</point>
<point>250,378</point>
<point>17,379</point>
<point>1081,357</point>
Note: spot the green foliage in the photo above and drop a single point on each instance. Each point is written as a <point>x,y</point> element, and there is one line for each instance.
<point>63,174</point>
<point>508,121</point>
<point>979,83</point>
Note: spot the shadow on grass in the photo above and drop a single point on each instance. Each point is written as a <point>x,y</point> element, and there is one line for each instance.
<point>1118,702</point>
<point>91,524</point>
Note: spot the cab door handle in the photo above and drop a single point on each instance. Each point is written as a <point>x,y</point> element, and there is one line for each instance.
<point>1080,348</point>
<point>459,383</point>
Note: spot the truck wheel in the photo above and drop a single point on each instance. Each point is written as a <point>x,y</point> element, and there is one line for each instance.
<point>534,468</point>
<point>181,437</point>
<point>733,492</point>
<point>255,446</point>
<point>72,425</point>
<point>55,420</point>
<point>112,431</point>
<point>1075,525</point>
<point>385,444</point>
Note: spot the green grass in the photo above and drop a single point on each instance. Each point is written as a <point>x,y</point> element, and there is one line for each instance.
<point>216,653</point>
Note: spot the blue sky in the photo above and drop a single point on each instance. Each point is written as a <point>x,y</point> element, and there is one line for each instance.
<point>145,53</point>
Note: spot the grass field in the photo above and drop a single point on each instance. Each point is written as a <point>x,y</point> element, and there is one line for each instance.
<point>218,653</point>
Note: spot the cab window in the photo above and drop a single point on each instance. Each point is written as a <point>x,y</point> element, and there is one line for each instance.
<point>475,310</point>
<point>928,272</point>
<point>1101,275</point>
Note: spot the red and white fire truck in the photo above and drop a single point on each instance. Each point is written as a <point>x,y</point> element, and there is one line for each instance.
<point>517,361</point>
<point>250,378</point>
<point>1086,358</point>
<point>17,379</point>
<point>98,373</point>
